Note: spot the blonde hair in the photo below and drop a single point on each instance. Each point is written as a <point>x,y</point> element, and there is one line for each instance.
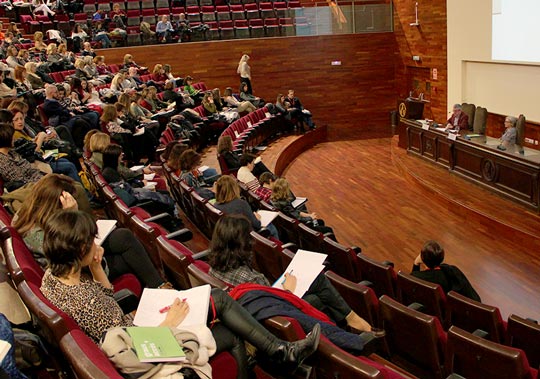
<point>51,48</point>
<point>98,142</point>
<point>280,190</point>
<point>30,67</point>
<point>227,189</point>
<point>127,58</point>
<point>244,59</point>
<point>79,63</point>
<point>158,67</point>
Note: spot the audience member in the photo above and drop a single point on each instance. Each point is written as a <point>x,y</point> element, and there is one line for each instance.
<point>231,260</point>
<point>69,246</point>
<point>449,277</point>
<point>282,199</point>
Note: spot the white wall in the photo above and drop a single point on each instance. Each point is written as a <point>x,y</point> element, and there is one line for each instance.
<point>473,77</point>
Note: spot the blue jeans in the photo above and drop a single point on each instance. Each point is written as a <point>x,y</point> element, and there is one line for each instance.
<point>104,39</point>
<point>63,166</point>
<point>8,364</point>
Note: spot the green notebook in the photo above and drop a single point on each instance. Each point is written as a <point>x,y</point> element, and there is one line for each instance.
<point>155,344</point>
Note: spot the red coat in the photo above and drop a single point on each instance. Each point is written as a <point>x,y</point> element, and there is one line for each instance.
<point>463,121</point>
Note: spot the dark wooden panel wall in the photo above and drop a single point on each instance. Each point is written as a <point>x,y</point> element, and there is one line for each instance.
<point>427,41</point>
<point>353,98</point>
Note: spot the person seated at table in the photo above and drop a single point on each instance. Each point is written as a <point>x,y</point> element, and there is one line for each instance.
<point>231,260</point>
<point>459,120</point>
<point>229,202</point>
<point>69,247</point>
<point>281,199</point>
<point>449,277</point>
<point>509,137</point>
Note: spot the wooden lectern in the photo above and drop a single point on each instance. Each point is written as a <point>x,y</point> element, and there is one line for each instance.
<point>411,108</point>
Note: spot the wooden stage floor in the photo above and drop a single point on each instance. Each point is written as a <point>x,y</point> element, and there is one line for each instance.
<point>377,197</point>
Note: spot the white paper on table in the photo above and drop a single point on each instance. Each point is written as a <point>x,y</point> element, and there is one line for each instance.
<point>136,168</point>
<point>203,169</point>
<point>105,227</point>
<point>154,299</point>
<point>149,176</point>
<point>306,265</point>
<point>441,129</point>
<point>267,217</point>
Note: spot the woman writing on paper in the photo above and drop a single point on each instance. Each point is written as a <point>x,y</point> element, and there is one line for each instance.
<point>229,202</point>
<point>282,200</point>
<point>69,246</point>
<point>231,258</point>
<point>123,252</point>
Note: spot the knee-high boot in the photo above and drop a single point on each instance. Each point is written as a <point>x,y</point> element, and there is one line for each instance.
<point>240,322</point>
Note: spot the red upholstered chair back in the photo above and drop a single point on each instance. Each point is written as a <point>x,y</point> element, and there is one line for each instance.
<point>471,315</point>
<point>382,277</point>
<point>414,290</point>
<point>524,334</point>
<point>361,299</point>
<point>474,357</point>
<point>415,340</point>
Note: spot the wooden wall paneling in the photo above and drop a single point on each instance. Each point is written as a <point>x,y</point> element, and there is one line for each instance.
<point>353,98</point>
<point>428,40</point>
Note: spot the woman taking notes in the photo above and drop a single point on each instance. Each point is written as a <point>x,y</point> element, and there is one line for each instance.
<point>69,247</point>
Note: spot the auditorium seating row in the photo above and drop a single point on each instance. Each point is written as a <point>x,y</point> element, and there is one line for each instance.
<point>91,6</point>
<point>184,270</point>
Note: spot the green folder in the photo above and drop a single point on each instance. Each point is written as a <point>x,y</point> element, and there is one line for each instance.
<point>155,344</point>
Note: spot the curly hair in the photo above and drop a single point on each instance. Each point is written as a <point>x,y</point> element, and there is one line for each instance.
<point>230,247</point>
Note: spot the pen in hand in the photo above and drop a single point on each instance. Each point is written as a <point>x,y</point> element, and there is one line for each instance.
<point>168,307</point>
<point>285,276</point>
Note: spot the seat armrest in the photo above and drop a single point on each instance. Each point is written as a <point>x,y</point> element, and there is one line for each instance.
<point>181,235</point>
<point>161,217</point>
<point>201,254</point>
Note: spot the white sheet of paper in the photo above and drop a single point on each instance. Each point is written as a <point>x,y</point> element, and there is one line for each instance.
<point>139,131</point>
<point>4,348</point>
<point>298,201</point>
<point>105,227</point>
<point>150,185</point>
<point>149,176</point>
<point>203,169</point>
<point>135,168</point>
<point>452,136</point>
<point>425,126</point>
<point>153,300</point>
<point>267,217</point>
<point>441,129</point>
<point>306,265</point>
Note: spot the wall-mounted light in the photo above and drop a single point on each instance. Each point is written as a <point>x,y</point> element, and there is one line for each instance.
<point>415,23</point>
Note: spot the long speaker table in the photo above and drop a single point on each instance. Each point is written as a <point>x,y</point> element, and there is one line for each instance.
<point>510,174</point>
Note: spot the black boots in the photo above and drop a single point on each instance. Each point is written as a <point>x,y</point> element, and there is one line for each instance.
<point>290,355</point>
